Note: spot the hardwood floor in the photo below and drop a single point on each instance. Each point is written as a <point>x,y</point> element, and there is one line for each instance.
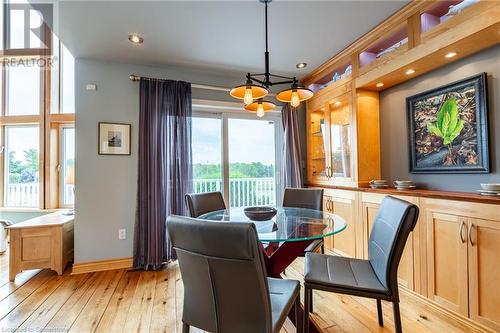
<point>136,301</point>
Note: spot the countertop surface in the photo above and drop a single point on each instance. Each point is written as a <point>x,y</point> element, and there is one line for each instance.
<point>52,219</point>
<point>448,195</point>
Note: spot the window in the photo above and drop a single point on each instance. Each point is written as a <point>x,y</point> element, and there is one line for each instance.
<point>252,162</point>
<point>22,172</point>
<point>235,153</point>
<point>207,154</point>
<point>67,166</point>
<point>67,81</point>
<point>23,90</point>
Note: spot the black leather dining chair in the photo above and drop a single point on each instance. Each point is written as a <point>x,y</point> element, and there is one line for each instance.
<point>306,198</point>
<point>225,285</point>
<point>202,203</point>
<point>372,278</point>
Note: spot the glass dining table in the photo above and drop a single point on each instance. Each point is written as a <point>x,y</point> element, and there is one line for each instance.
<point>286,235</point>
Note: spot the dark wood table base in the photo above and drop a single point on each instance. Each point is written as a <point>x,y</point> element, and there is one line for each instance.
<point>278,256</point>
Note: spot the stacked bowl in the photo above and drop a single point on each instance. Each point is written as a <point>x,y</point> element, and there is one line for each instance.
<point>379,183</point>
<point>404,185</point>
<point>490,189</point>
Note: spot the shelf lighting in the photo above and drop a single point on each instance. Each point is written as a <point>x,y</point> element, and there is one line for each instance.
<point>380,84</point>
<point>337,103</point>
<point>135,39</point>
<point>450,55</point>
<point>410,71</point>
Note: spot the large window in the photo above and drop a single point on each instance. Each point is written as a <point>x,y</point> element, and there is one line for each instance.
<point>22,172</point>
<point>236,153</point>
<point>36,111</point>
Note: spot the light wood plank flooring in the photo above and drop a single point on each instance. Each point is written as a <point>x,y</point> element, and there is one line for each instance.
<point>126,301</point>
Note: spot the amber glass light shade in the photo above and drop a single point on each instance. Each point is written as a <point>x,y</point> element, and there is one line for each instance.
<point>266,107</point>
<point>257,91</point>
<point>286,95</point>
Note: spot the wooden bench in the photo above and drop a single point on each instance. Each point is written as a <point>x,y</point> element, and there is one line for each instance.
<point>41,242</point>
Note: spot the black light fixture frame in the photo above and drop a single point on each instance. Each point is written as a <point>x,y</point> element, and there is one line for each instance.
<point>266,81</point>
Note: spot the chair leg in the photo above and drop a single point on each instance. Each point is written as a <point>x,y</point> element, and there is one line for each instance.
<point>397,317</point>
<point>311,301</point>
<point>298,316</point>
<point>185,328</point>
<point>307,300</point>
<point>380,314</point>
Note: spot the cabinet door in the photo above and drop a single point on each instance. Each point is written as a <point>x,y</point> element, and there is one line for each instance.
<point>318,138</point>
<point>447,260</point>
<point>344,243</point>
<point>340,137</point>
<point>405,270</point>
<point>484,272</point>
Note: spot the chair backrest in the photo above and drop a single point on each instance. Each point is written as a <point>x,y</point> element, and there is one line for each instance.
<point>201,203</point>
<point>224,275</point>
<point>311,198</point>
<point>394,221</point>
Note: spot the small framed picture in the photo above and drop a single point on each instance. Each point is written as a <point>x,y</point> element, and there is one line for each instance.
<point>114,139</point>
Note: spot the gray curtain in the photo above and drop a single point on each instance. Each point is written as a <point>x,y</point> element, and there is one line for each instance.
<point>292,169</point>
<point>165,170</point>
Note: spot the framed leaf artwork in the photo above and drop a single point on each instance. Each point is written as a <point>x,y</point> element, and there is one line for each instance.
<point>448,128</point>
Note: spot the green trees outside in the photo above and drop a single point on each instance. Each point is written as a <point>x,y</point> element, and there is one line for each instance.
<point>24,171</point>
<point>236,170</point>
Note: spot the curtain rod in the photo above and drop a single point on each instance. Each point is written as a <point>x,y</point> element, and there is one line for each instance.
<point>136,78</point>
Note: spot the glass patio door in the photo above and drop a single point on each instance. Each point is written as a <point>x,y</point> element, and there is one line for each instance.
<point>237,155</point>
<point>252,162</point>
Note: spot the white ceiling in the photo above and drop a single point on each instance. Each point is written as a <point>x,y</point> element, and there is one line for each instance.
<point>218,35</point>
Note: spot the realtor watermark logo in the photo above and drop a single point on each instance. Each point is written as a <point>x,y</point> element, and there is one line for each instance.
<point>27,34</point>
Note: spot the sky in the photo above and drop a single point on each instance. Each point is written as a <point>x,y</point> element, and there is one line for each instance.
<point>249,141</point>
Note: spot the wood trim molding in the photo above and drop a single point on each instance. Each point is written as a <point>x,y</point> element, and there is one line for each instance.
<point>400,17</point>
<point>102,265</point>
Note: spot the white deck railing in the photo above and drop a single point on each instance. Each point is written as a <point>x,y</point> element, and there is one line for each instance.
<point>242,191</point>
<point>28,195</point>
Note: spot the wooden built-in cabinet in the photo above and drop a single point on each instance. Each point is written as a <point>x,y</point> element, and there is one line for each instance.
<point>463,258</point>
<point>343,204</point>
<point>452,257</point>
<point>343,136</point>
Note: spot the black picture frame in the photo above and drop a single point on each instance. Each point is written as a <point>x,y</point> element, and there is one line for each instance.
<point>103,147</point>
<point>421,163</point>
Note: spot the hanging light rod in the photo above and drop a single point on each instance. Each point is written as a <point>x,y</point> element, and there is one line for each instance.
<point>251,91</point>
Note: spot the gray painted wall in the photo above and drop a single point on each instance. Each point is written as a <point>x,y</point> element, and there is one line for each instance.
<point>106,185</point>
<point>393,122</point>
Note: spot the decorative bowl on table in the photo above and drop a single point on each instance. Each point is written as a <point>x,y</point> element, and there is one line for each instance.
<point>261,213</point>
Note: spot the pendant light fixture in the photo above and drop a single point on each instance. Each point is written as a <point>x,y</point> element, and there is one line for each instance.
<point>256,86</point>
<point>260,107</point>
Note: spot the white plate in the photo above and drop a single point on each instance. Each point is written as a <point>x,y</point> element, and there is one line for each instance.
<point>379,186</point>
<point>489,193</point>
<point>491,187</point>
<point>405,187</point>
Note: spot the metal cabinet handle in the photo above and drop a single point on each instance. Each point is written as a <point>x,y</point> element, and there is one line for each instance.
<point>331,206</point>
<point>328,172</point>
<point>471,226</point>
<point>461,232</point>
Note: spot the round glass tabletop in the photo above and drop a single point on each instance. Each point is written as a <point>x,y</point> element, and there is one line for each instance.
<point>289,224</point>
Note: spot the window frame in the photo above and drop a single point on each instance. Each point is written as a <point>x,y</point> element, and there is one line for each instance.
<point>229,110</point>
<point>60,167</point>
<point>49,128</point>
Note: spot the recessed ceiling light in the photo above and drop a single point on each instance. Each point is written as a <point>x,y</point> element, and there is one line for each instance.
<point>135,38</point>
<point>410,71</point>
<point>380,84</point>
<point>322,109</point>
<point>337,103</point>
<point>301,65</point>
<point>450,54</point>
